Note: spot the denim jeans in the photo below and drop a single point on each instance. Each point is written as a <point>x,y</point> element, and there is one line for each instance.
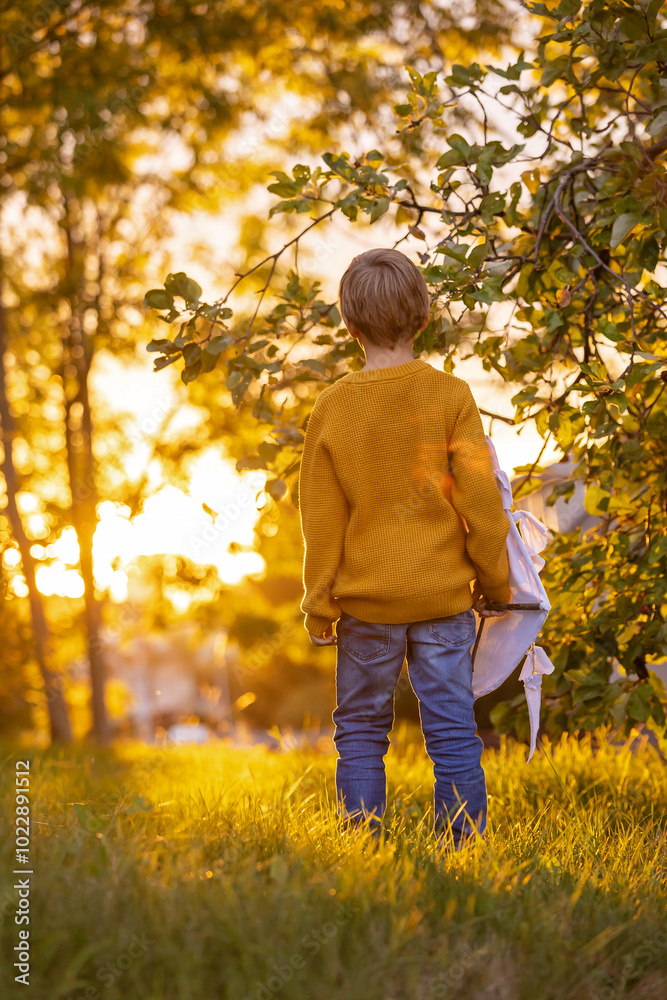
<point>369,662</point>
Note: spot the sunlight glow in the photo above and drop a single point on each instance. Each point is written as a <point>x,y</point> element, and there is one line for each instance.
<point>26,502</point>
<point>19,586</point>
<point>175,522</point>
<point>37,526</point>
<point>11,558</point>
<point>55,579</point>
<point>65,548</point>
<point>171,522</point>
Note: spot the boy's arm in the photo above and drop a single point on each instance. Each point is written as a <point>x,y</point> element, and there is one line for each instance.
<point>324,515</point>
<point>476,497</point>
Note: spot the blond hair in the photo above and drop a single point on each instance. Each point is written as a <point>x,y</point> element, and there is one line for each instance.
<point>385,296</point>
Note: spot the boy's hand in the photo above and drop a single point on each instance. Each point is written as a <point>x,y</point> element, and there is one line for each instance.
<point>483,610</point>
<point>328,639</point>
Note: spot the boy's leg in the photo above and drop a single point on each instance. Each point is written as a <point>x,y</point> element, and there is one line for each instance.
<point>440,668</point>
<point>368,665</point>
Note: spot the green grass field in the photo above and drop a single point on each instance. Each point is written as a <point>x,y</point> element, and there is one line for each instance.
<point>217,873</point>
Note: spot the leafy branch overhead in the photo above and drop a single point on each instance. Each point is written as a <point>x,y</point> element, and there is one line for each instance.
<point>567,225</point>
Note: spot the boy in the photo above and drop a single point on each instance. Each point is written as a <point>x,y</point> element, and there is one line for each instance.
<point>394,457</point>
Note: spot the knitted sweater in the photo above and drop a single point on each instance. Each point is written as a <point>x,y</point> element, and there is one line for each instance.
<point>393,460</point>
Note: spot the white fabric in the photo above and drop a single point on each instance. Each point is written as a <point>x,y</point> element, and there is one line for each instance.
<point>507,639</point>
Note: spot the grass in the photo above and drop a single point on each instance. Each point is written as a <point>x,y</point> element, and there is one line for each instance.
<point>219,873</point>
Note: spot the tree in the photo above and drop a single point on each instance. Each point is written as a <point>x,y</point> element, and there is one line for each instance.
<point>568,226</point>
<point>150,73</point>
<point>59,723</point>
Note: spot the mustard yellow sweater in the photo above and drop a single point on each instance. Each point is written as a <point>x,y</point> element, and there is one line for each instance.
<point>393,460</point>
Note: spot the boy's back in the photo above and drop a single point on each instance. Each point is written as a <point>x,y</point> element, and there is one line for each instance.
<point>393,459</point>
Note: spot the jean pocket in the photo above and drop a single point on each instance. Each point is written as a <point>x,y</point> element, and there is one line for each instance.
<point>364,641</point>
<point>457,631</point>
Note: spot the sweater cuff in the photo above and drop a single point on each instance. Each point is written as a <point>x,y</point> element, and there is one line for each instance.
<point>317,626</point>
<point>497,592</point>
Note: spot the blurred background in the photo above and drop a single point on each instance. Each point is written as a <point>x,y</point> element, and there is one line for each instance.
<point>149,581</point>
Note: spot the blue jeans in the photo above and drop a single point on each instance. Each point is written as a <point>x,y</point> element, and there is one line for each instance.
<point>369,662</point>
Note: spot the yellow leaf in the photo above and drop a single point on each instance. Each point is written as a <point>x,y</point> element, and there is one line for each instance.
<point>594,495</point>
<point>531,178</point>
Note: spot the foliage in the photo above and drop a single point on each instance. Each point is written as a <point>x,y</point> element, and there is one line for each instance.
<point>228,862</point>
<point>95,100</point>
<point>569,227</point>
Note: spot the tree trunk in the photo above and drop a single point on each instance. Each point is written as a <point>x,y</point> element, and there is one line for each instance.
<point>77,356</point>
<point>59,722</point>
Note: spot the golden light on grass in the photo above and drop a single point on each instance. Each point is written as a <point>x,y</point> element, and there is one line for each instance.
<point>572,870</point>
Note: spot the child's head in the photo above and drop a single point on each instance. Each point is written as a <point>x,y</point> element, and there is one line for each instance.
<point>384,297</point>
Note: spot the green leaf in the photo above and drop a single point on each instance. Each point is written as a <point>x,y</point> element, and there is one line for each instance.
<point>163,346</point>
<point>161,363</point>
<point>658,126</point>
<point>512,72</point>
<point>281,176</point>
<point>190,373</point>
<point>379,208</point>
<point>284,207</point>
<point>215,312</point>
<point>490,290</point>
<point>457,251</point>
<point>649,254</point>
<point>609,330</point>
<point>623,225</point>
<point>207,362</point>
<point>477,254</point>
<point>238,391</point>
<point>180,284</point>
<point>553,70</point>
<point>464,76</point>
<point>218,344</point>
<point>450,159</point>
<point>528,126</point>
<point>637,707</point>
<point>191,353</point>
<point>285,190</point>
<point>594,369</point>
<point>652,11</point>
<point>340,165</point>
<point>554,319</point>
<point>415,77</point>
<point>158,298</point>
<point>458,143</point>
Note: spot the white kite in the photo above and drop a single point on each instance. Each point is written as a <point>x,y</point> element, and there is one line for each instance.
<point>502,642</point>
